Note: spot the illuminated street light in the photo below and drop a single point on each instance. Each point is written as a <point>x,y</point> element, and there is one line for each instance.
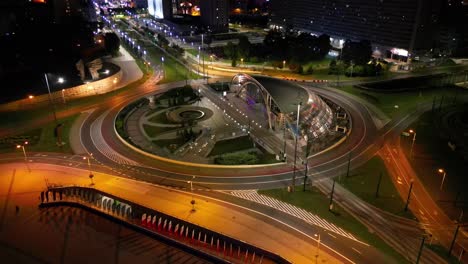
<point>444,173</point>
<point>50,97</point>
<point>318,246</point>
<point>242,62</point>
<point>411,131</point>
<point>91,175</point>
<point>24,149</point>
<point>192,202</point>
<point>164,71</point>
<point>24,153</point>
<point>31,96</point>
<point>284,65</point>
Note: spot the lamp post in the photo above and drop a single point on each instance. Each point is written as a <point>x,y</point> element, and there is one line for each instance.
<point>295,146</point>
<point>91,176</point>
<point>444,173</point>
<point>192,202</point>
<point>284,65</point>
<point>24,153</point>
<point>162,63</point>
<point>50,97</point>
<point>242,62</point>
<point>318,247</point>
<point>411,131</point>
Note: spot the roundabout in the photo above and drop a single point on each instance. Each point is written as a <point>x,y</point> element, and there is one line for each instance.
<point>99,137</point>
<point>253,123</point>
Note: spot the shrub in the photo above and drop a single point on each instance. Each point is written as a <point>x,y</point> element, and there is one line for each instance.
<point>238,159</point>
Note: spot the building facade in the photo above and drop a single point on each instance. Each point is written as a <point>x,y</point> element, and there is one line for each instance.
<point>215,14</point>
<point>389,24</point>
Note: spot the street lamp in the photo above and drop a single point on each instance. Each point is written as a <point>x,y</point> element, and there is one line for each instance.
<point>318,246</point>
<point>24,149</point>
<point>444,173</point>
<point>24,153</point>
<point>164,71</point>
<point>411,131</point>
<point>295,146</point>
<point>242,62</point>
<point>91,176</point>
<point>50,97</point>
<point>284,65</point>
<point>63,96</point>
<point>192,202</point>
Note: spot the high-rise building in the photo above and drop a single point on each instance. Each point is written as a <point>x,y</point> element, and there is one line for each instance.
<point>214,14</point>
<point>398,25</point>
<point>160,8</point>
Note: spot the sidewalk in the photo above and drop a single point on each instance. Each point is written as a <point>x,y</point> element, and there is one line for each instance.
<point>131,71</point>
<point>209,214</point>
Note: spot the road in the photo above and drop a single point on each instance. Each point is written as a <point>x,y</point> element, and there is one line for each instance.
<point>262,228</point>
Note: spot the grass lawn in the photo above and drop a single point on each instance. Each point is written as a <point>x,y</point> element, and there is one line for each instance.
<point>9,144</point>
<point>231,145</point>
<point>430,153</point>
<point>43,139</point>
<point>152,131</point>
<point>267,158</point>
<point>363,183</point>
<point>315,202</point>
<point>406,101</point>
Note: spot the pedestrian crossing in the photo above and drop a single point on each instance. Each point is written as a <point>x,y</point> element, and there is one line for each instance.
<point>253,195</point>
<point>104,148</point>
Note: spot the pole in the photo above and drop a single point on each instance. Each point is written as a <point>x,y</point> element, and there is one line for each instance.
<point>412,145</point>
<point>284,144</point>
<point>378,185</point>
<point>50,98</point>
<point>443,179</point>
<point>453,240</point>
<point>331,196</point>
<point>63,96</point>
<point>203,57</point>
<point>318,248</point>
<point>305,175</point>
<point>409,195</point>
<point>295,147</point>
<point>349,163</point>
<point>420,250</point>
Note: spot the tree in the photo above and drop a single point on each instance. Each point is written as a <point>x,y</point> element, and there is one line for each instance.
<point>231,51</point>
<point>323,44</point>
<point>332,69</point>
<point>359,52</point>
<point>276,44</point>
<point>112,43</point>
<point>244,46</point>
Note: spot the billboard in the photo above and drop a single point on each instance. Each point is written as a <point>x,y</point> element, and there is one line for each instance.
<point>155,8</point>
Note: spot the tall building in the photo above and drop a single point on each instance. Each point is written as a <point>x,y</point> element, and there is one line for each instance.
<point>160,8</point>
<point>214,14</point>
<point>403,26</point>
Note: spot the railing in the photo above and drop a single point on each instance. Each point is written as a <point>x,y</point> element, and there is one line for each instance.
<point>187,236</point>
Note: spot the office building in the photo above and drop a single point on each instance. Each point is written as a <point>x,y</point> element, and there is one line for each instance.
<point>403,26</point>
<point>214,14</point>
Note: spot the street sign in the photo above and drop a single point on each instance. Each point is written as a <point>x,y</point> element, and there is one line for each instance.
<point>406,134</point>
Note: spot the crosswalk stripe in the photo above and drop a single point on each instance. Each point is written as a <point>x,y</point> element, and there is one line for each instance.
<point>300,213</point>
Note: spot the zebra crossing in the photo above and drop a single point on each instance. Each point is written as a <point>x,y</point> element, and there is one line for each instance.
<point>104,148</point>
<point>254,196</point>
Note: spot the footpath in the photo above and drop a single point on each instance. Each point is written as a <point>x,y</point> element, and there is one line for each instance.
<point>16,180</point>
